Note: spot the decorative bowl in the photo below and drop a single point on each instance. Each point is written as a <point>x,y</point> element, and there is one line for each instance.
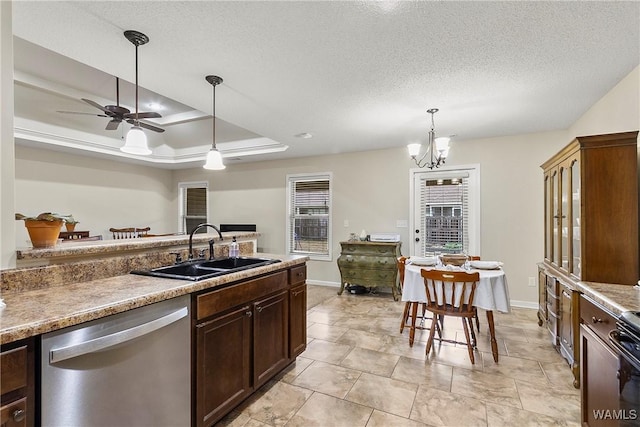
<point>453,259</point>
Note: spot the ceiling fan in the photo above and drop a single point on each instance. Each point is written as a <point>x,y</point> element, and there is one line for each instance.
<point>117,113</point>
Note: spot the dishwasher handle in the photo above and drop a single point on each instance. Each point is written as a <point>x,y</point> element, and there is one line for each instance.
<point>102,343</point>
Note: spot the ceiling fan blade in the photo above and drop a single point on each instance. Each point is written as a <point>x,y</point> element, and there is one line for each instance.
<point>147,115</point>
<point>113,124</point>
<point>145,125</point>
<point>95,104</point>
<point>80,112</point>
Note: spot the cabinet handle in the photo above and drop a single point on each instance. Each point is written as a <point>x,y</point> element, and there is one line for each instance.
<point>18,415</point>
<point>295,294</point>
<point>248,313</point>
<point>260,309</point>
<point>596,320</point>
<point>566,294</point>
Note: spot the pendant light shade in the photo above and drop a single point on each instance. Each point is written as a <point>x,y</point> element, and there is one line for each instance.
<point>214,158</point>
<point>136,142</point>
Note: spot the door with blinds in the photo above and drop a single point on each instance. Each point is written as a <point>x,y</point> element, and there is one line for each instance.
<point>192,206</point>
<point>446,212</point>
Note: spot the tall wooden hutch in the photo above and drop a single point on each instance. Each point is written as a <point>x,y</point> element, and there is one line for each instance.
<point>590,230</point>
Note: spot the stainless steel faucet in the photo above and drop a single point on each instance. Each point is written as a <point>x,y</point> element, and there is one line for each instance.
<point>198,227</point>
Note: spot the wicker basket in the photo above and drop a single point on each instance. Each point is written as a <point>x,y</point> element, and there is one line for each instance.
<point>453,259</point>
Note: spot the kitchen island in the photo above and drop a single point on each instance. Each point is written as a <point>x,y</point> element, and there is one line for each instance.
<point>54,296</point>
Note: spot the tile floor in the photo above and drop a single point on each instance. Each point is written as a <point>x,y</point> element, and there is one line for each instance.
<point>358,370</point>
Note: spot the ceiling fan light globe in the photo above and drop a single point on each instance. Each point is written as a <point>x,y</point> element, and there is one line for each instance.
<point>136,142</point>
<point>214,160</point>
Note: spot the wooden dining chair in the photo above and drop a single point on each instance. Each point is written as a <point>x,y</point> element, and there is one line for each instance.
<point>451,293</point>
<point>129,233</point>
<point>412,306</point>
<point>476,258</point>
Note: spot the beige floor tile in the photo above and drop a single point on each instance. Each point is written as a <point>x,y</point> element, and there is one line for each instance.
<point>504,416</point>
<point>364,339</point>
<point>382,419</point>
<point>454,356</point>
<point>435,375</point>
<point>542,352</point>
<point>325,332</point>
<point>324,411</point>
<point>399,344</point>
<point>371,361</point>
<point>386,394</point>
<point>328,379</point>
<point>555,401</point>
<point>326,351</point>
<point>558,373</point>
<point>487,387</point>
<point>324,317</point>
<point>293,370</point>
<point>516,368</point>
<point>441,408</point>
<point>277,403</point>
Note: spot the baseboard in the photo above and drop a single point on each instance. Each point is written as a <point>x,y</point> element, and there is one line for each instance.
<point>323,283</point>
<point>524,304</point>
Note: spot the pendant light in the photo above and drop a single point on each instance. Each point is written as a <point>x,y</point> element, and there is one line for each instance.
<point>136,140</point>
<point>214,158</point>
<point>437,148</point>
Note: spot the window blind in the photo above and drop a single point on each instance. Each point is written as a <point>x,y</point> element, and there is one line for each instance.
<point>309,215</point>
<point>444,201</point>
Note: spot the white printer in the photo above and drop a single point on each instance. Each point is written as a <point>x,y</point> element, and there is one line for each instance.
<point>384,237</point>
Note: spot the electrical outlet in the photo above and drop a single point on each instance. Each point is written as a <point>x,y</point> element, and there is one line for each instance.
<point>532,282</point>
<point>402,223</point>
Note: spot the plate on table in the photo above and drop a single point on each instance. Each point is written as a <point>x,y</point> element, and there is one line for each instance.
<point>422,261</point>
<point>485,265</point>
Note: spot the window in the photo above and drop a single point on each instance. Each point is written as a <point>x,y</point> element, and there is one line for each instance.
<point>192,208</point>
<point>309,215</point>
<point>446,211</point>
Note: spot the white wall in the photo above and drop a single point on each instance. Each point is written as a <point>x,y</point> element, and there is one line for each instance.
<point>97,192</point>
<point>7,223</point>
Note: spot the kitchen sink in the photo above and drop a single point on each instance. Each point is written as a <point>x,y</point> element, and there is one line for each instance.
<point>205,269</point>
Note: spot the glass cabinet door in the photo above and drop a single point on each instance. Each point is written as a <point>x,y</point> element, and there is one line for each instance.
<point>565,192</point>
<point>555,211</point>
<point>548,217</point>
<point>575,217</point>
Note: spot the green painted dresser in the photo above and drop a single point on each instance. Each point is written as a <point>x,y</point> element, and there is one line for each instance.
<point>370,264</point>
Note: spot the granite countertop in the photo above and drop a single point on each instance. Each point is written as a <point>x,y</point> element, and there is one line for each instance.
<point>34,312</point>
<point>616,298</point>
<point>71,248</point>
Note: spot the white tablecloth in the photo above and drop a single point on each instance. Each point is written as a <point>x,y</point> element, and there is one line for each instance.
<point>492,292</point>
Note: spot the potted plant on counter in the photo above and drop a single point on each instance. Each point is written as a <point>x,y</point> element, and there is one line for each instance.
<point>43,229</point>
<point>70,223</point>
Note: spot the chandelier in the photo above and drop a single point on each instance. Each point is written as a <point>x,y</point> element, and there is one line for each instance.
<point>437,148</point>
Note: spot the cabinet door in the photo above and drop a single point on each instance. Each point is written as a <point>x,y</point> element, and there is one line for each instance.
<point>563,216</point>
<point>270,337</point>
<point>223,357</point>
<point>598,377</point>
<point>555,215</point>
<point>548,216</point>
<point>297,320</point>
<point>542,297</point>
<point>574,223</point>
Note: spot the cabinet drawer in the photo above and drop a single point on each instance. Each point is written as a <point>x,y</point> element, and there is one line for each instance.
<point>369,277</point>
<point>223,299</point>
<point>13,365</point>
<point>14,414</point>
<point>298,275</point>
<point>596,318</point>
<point>553,302</point>
<point>372,261</point>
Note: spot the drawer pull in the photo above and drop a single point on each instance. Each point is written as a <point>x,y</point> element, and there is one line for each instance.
<point>295,294</point>
<point>248,313</point>
<point>260,309</point>
<point>18,415</point>
<point>596,320</point>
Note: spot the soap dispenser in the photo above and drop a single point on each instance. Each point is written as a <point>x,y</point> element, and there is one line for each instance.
<point>234,250</point>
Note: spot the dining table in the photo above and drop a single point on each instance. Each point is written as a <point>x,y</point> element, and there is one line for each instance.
<point>492,293</point>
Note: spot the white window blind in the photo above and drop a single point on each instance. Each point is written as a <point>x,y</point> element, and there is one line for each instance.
<point>309,213</point>
<point>444,201</point>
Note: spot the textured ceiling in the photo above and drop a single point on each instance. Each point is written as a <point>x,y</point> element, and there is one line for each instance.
<point>355,75</point>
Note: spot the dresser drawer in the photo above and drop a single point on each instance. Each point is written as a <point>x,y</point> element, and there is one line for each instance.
<point>371,262</point>
<point>596,318</point>
<point>369,277</point>
<point>13,365</point>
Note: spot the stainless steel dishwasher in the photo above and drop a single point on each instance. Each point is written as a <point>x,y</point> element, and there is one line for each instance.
<point>129,369</point>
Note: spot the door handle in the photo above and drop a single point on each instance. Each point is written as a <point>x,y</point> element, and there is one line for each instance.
<point>102,343</point>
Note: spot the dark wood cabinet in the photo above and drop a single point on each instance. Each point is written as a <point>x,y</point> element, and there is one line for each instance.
<point>242,339</point>
<point>270,337</point>
<point>17,384</point>
<point>223,364</point>
<point>297,311</point>
<point>599,365</point>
